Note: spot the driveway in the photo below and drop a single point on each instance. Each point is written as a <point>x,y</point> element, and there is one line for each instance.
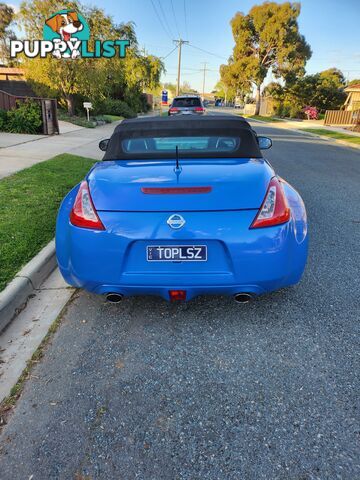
<point>211,389</point>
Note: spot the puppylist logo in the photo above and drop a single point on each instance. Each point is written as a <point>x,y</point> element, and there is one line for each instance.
<point>66,35</point>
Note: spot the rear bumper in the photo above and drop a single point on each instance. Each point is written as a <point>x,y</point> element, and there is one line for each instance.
<point>182,113</point>
<point>239,259</point>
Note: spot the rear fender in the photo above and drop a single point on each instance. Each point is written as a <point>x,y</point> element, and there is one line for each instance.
<point>300,231</point>
<point>298,212</point>
<point>62,235</point>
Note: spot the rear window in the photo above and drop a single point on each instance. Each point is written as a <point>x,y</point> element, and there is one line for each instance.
<point>203,144</point>
<point>186,102</point>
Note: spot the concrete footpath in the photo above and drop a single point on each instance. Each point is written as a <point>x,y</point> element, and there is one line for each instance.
<point>22,151</point>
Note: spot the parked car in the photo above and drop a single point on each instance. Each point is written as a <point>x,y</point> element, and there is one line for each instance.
<point>186,105</point>
<point>181,207</point>
<point>238,103</point>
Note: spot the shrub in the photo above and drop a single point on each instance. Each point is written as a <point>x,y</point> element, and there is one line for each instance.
<point>311,113</point>
<point>25,118</point>
<point>295,111</point>
<point>111,106</point>
<point>282,110</point>
<point>3,120</point>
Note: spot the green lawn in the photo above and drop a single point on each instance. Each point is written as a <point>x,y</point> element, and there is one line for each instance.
<point>29,201</point>
<point>332,134</point>
<point>263,118</point>
<point>112,118</point>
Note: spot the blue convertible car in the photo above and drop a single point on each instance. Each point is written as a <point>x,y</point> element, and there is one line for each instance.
<point>180,207</point>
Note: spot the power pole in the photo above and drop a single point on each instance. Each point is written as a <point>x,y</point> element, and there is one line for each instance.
<point>179,43</point>
<point>203,89</point>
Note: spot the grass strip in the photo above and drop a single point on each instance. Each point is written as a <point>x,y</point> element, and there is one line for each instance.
<point>112,118</point>
<point>29,201</point>
<point>333,134</point>
<point>263,118</point>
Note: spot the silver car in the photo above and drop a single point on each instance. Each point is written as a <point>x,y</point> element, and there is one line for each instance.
<point>187,105</point>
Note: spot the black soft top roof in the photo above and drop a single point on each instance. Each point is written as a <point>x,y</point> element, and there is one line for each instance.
<point>184,125</point>
<point>177,122</point>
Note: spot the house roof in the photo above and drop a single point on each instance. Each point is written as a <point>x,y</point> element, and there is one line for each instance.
<point>353,88</point>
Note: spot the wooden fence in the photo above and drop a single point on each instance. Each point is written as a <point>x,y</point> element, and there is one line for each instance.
<point>50,124</point>
<point>342,117</point>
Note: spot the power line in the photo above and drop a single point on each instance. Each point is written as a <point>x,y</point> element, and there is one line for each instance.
<point>185,17</point>
<point>206,51</point>
<point>173,50</point>
<point>165,18</point>
<point>160,20</point>
<point>176,23</point>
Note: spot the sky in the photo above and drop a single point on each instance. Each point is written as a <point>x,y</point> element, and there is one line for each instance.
<point>331,27</point>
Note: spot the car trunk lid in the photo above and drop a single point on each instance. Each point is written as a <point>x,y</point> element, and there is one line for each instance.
<point>198,185</point>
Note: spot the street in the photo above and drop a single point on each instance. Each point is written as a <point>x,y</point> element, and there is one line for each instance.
<point>212,389</point>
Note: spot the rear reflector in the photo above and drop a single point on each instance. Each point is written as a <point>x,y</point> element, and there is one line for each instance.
<point>174,190</point>
<point>176,295</point>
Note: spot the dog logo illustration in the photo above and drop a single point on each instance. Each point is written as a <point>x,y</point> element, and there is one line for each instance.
<point>66,35</point>
<point>69,27</point>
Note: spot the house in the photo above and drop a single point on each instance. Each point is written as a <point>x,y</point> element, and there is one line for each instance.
<point>352,101</point>
<point>14,90</point>
<point>12,81</point>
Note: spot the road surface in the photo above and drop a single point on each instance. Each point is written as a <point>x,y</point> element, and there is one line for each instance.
<point>210,389</point>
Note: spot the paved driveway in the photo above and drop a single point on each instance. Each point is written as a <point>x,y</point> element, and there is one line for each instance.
<point>211,389</point>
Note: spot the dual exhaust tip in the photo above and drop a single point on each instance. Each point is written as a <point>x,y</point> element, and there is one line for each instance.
<point>243,297</point>
<point>114,297</point>
<point>238,297</point>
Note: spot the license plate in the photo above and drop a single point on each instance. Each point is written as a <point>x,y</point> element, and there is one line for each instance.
<point>174,253</point>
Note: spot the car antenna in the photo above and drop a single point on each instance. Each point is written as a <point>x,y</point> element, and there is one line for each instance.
<point>177,167</point>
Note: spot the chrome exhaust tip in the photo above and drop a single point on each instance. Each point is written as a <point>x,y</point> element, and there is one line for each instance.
<point>114,297</point>
<point>243,297</point>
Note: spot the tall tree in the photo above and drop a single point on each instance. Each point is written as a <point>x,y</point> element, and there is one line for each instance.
<point>6,34</point>
<point>92,78</point>
<point>268,38</point>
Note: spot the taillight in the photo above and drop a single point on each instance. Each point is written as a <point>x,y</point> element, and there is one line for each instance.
<point>199,109</point>
<point>83,213</point>
<point>274,209</point>
<point>173,109</point>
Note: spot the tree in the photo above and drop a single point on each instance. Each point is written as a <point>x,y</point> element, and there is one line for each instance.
<point>354,82</point>
<point>234,80</point>
<point>323,90</point>
<point>92,78</point>
<point>223,91</point>
<point>6,34</point>
<point>170,87</point>
<point>187,88</point>
<point>268,38</point>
